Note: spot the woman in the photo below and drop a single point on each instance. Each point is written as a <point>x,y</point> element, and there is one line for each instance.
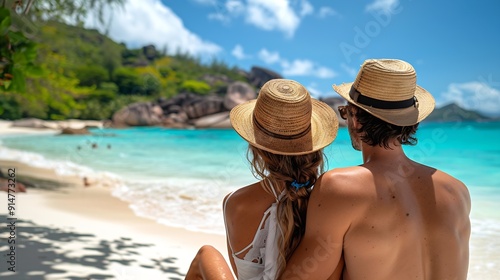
<point>286,130</point>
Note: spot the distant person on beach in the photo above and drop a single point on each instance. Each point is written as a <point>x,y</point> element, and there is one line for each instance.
<point>390,217</point>
<point>10,185</point>
<point>286,130</point>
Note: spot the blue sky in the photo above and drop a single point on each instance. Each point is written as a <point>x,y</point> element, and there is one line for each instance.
<point>453,45</point>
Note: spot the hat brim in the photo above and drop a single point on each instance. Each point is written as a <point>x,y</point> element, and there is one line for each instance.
<point>324,128</point>
<point>401,117</point>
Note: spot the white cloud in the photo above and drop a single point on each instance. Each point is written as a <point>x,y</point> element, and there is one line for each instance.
<point>306,8</point>
<point>143,22</point>
<point>272,15</point>
<point>219,16</point>
<point>325,73</point>
<point>269,57</point>
<point>304,67</point>
<point>239,53</point>
<point>298,67</point>
<point>478,96</point>
<point>327,11</point>
<point>235,7</point>
<point>281,15</point>
<point>382,5</point>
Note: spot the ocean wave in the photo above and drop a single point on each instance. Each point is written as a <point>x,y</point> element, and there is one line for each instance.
<point>484,249</point>
<point>61,167</point>
<point>193,204</point>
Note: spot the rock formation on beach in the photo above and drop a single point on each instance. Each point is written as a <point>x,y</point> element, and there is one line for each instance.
<point>188,109</point>
<point>258,76</point>
<point>138,114</point>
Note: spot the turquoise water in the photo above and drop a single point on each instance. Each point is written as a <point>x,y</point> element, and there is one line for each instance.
<point>169,174</point>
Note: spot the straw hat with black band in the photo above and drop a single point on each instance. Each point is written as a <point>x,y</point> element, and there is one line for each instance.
<point>285,120</point>
<point>387,89</point>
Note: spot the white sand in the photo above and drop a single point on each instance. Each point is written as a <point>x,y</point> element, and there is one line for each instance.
<point>80,232</point>
<point>7,129</point>
<point>49,127</point>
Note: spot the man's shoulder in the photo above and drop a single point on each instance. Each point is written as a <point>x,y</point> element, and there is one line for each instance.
<point>452,185</point>
<point>347,182</point>
<point>340,195</point>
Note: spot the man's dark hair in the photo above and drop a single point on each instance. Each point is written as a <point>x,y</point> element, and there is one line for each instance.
<point>375,131</point>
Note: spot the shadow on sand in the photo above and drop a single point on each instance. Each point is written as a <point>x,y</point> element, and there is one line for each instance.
<point>48,252</point>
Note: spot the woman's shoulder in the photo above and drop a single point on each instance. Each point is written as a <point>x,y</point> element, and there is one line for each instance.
<point>248,200</point>
<point>242,196</point>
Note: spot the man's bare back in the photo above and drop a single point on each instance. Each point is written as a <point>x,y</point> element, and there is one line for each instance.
<point>386,224</point>
<point>406,227</point>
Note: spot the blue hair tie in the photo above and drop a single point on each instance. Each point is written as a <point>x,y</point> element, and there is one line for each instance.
<point>298,185</point>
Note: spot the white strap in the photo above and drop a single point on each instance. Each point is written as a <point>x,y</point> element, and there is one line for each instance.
<point>274,193</point>
<point>272,189</point>
<point>265,216</point>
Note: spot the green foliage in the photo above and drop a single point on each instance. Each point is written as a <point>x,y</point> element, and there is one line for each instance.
<point>152,84</point>
<point>81,47</point>
<point>128,81</point>
<point>59,10</point>
<point>91,75</point>
<point>132,57</point>
<point>108,86</point>
<point>17,56</point>
<point>54,99</point>
<point>111,56</point>
<point>10,106</point>
<point>195,87</point>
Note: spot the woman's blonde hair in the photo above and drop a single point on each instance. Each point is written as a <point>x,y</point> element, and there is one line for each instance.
<point>281,172</point>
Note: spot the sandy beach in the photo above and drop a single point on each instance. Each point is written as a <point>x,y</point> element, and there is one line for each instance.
<point>78,232</point>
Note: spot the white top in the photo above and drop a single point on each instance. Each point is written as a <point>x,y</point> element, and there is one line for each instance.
<point>261,261</point>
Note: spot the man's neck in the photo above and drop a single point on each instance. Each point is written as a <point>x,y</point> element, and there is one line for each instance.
<point>381,154</point>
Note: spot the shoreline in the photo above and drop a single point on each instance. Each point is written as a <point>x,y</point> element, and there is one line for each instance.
<point>37,126</point>
<point>94,213</point>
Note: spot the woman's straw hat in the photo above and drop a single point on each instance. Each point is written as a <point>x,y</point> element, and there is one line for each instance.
<point>285,120</point>
<point>387,89</point>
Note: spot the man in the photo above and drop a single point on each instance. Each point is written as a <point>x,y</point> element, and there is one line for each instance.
<point>391,217</point>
